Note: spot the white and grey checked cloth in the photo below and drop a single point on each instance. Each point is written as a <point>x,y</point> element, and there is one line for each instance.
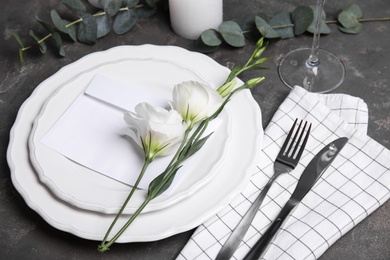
<point>356,183</point>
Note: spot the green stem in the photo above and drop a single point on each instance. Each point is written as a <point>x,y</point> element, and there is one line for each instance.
<point>106,246</point>
<point>374,19</point>
<point>185,137</point>
<point>282,26</point>
<point>145,166</point>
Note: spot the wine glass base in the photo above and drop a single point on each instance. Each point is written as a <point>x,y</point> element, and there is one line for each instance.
<point>327,76</point>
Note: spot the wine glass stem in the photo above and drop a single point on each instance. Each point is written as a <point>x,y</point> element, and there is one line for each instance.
<point>313,60</point>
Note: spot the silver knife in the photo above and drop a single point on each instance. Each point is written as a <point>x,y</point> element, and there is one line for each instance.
<point>309,177</point>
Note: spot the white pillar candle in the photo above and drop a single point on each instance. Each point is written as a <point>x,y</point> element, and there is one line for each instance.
<point>189,18</point>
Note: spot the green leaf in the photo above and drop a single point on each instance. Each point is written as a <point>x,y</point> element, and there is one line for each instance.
<point>87,30</point>
<point>61,25</point>
<point>76,6</point>
<point>211,38</point>
<point>41,45</point>
<point>354,30</point>
<point>248,26</point>
<point>155,182</point>
<point>265,29</point>
<point>124,21</point>
<point>348,20</point>
<point>197,145</point>
<point>111,7</point>
<point>132,3</point>
<point>354,9</point>
<point>283,19</point>
<point>302,17</point>
<point>58,43</point>
<point>103,25</point>
<point>324,27</point>
<point>202,47</point>
<point>232,34</point>
<point>145,12</point>
<point>49,27</point>
<point>54,35</point>
<point>150,3</point>
<point>153,190</point>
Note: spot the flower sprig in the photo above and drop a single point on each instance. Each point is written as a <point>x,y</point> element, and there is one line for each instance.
<point>197,104</point>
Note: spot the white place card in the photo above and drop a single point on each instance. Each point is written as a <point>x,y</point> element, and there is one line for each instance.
<point>90,132</point>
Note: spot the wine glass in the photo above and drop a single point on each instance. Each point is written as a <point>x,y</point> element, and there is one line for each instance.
<point>312,68</point>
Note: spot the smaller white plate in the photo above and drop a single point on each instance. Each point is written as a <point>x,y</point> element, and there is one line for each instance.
<point>87,189</point>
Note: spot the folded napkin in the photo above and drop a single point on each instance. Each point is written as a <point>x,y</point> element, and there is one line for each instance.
<point>356,183</point>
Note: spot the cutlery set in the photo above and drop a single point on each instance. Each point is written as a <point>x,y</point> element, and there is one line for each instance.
<point>285,162</point>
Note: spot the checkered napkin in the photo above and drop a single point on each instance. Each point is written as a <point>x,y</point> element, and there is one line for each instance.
<point>357,183</point>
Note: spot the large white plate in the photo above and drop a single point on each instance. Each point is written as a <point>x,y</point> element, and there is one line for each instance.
<point>234,174</point>
<point>87,189</point>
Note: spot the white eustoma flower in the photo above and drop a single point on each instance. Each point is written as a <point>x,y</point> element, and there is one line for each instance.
<point>195,101</point>
<point>157,130</point>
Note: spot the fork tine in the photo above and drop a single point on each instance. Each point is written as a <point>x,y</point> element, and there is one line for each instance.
<point>304,143</point>
<point>288,138</point>
<point>299,139</point>
<point>293,140</point>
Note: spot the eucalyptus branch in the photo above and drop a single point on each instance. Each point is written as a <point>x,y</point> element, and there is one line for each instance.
<point>281,26</point>
<point>90,26</point>
<point>331,22</point>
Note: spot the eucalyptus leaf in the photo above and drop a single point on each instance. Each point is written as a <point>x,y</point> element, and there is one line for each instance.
<point>150,3</point>
<point>348,20</point>
<point>354,9</point>
<point>248,23</point>
<point>132,3</point>
<point>111,7</point>
<point>103,25</point>
<point>324,29</point>
<point>145,12</point>
<point>202,47</point>
<point>49,27</point>
<point>232,34</point>
<point>124,21</point>
<point>265,29</point>
<point>302,17</point>
<point>58,43</point>
<point>283,20</point>
<point>54,35</point>
<point>87,29</point>
<point>354,30</point>
<point>76,6</point>
<point>41,44</point>
<point>211,38</point>
<point>248,27</point>
<point>61,25</point>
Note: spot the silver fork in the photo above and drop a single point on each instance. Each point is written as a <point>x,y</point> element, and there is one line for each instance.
<point>285,162</point>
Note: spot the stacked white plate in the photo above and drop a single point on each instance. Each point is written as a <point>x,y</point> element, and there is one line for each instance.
<point>78,200</point>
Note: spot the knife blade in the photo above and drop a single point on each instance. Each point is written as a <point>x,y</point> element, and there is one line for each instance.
<point>309,177</point>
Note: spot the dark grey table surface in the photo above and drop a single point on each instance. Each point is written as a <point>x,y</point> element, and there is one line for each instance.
<point>25,235</point>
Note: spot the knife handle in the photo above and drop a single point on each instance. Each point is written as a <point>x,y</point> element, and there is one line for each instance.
<point>261,244</point>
